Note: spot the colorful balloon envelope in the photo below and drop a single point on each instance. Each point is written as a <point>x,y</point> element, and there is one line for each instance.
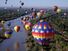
<point>42,32</point>
<point>8,34</point>
<point>28,26</point>
<point>17,28</point>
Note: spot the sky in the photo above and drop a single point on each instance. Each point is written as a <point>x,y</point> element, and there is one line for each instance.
<point>34,3</point>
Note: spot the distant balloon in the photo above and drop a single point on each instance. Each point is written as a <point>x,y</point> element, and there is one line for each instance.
<point>2,22</point>
<point>39,14</point>
<point>17,28</point>
<point>8,34</point>
<point>32,9</point>
<point>42,12</point>
<point>42,32</point>
<point>65,14</point>
<point>59,10</point>
<point>9,24</point>
<point>22,3</point>
<point>20,7</point>
<point>55,8</point>
<point>5,2</point>
<point>28,26</point>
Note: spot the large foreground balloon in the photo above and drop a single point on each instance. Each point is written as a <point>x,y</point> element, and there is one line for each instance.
<point>8,33</point>
<point>28,26</point>
<point>42,32</point>
<point>17,28</point>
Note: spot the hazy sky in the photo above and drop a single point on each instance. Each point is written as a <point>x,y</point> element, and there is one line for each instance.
<point>35,3</point>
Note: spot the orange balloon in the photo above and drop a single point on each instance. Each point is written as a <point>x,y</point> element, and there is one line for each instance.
<point>17,28</point>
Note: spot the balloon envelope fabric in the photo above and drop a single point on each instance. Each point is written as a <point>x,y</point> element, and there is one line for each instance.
<point>42,32</point>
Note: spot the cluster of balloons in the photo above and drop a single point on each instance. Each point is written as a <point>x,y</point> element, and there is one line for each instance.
<point>42,31</point>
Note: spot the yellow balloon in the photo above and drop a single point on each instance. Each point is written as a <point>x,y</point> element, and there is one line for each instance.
<point>2,22</point>
<point>17,28</point>
<point>58,10</point>
<point>27,27</point>
<point>38,14</point>
<point>7,35</point>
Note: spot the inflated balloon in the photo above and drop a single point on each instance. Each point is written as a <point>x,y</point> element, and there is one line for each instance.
<point>28,26</point>
<point>42,32</point>
<point>5,2</point>
<point>20,7</point>
<point>22,3</point>
<point>58,10</point>
<point>2,22</point>
<point>34,14</point>
<point>42,12</point>
<point>17,28</point>
<point>8,34</point>
<point>55,8</point>
<point>39,14</point>
<point>9,24</point>
<point>65,14</point>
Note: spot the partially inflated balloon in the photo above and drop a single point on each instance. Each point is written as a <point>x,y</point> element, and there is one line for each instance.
<point>42,32</point>
<point>17,28</point>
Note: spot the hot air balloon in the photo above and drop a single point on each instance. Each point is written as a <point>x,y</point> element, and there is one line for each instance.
<point>58,10</point>
<point>8,33</point>
<point>17,28</point>
<point>55,8</point>
<point>6,1</point>
<point>9,24</point>
<point>34,14</point>
<point>28,26</point>
<point>39,14</point>
<point>65,14</point>
<point>20,7</point>
<point>42,12</point>
<point>2,22</point>
<point>42,32</point>
<point>22,3</point>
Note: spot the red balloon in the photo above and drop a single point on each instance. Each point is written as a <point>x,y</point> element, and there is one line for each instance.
<point>55,8</point>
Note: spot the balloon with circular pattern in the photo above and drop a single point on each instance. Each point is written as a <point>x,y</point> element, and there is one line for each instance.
<point>42,32</point>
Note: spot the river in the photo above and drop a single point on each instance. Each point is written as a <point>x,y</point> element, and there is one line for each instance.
<point>16,36</point>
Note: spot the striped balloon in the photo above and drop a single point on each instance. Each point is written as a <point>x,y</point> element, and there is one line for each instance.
<point>42,32</point>
<point>8,34</point>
